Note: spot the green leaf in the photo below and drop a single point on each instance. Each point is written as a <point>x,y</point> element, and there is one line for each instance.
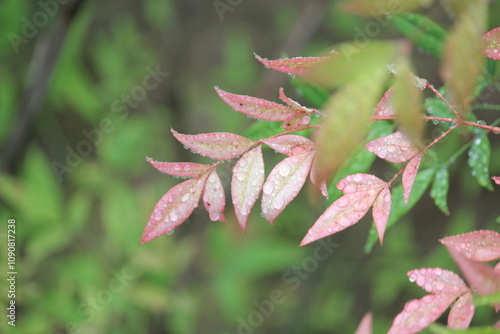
<point>262,129</point>
<point>440,329</point>
<point>399,208</point>
<point>407,102</point>
<point>351,61</point>
<point>439,190</point>
<point>422,31</point>
<point>437,108</point>
<point>348,121</point>
<point>479,159</point>
<point>361,160</point>
<point>463,57</point>
<point>313,94</point>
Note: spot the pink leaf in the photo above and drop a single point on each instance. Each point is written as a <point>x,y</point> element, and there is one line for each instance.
<point>395,147</point>
<point>214,198</point>
<point>292,65</point>
<point>174,208</point>
<point>420,313</point>
<point>492,39</point>
<point>246,184</point>
<point>217,145</point>
<point>182,169</point>
<point>365,326</point>
<point>298,122</point>
<point>381,210</point>
<point>409,174</point>
<point>437,280</point>
<point>480,277</point>
<point>284,183</point>
<point>496,179</point>
<point>462,312</point>
<point>320,183</point>
<point>361,182</point>
<point>259,108</point>
<point>480,246</point>
<point>293,103</point>
<point>344,212</point>
<point>290,144</point>
<point>384,108</point>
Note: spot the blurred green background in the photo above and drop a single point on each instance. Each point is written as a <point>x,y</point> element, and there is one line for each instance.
<point>88,89</point>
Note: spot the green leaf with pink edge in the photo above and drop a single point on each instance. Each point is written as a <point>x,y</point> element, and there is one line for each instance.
<point>182,169</point>
<point>296,65</point>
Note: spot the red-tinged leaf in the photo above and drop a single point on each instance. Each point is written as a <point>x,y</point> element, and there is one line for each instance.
<point>492,39</point>
<point>360,183</point>
<point>290,144</point>
<point>420,313</point>
<point>437,280</point>
<point>462,312</point>
<point>365,326</point>
<point>482,246</point>
<point>300,121</point>
<point>174,208</point>
<point>293,103</point>
<point>480,276</point>
<point>344,212</point>
<point>182,169</point>
<point>409,174</point>
<point>214,198</point>
<point>292,65</point>
<point>384,108</point>
<point>496,179</point>
<point>246,184</point>
<point>259,108</point>
<point>396,147</point>
<point>284,183</point>
<point>217,145</point>
<point>381,211</point>
<point>320,183</point>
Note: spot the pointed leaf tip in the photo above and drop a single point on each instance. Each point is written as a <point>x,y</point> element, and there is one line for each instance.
<point>216,145</point>
<point>182,169</point>
<point>482,245</point>
<point>365,325</point>
<point>259,108</point>
<point>437,280</point>
<point>409,175</point>
<point>292,65</point>
<point>174,208</point>
<point>214,198</point>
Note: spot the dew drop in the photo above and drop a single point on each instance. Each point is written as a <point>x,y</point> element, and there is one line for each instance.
<point>268,188</point>
<point>284,170</point>
<point>171,232</point>
<point>185,197</point>
<point>240,176</point>
<point>279,202</point>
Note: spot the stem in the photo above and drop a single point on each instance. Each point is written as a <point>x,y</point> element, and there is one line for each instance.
<point>494,129</point>
<point>486,106</point>
<point>441,97</point>
<point>435,141</point>
<point>396,176</point>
